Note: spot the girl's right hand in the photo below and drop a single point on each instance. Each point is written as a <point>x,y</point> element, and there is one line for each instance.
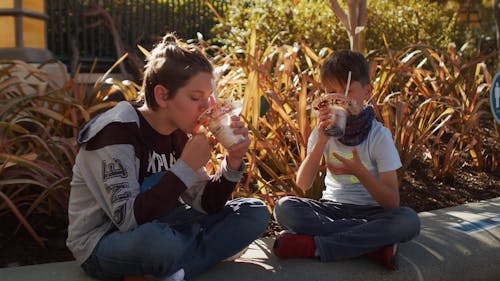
<point>196,152</point>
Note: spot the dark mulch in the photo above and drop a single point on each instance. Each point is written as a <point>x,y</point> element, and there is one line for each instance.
<point>418,190</point>
<point>21,249</point>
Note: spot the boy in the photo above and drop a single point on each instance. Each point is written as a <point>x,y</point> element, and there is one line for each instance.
<point>359,211</point>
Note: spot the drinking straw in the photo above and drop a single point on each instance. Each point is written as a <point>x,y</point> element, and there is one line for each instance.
<point>348,84</point>
<point>214,91</point>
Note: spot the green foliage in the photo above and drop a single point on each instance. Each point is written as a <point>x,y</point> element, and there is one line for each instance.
<point>283,22</point>
<point>402,22</point>
<point>280,22</point>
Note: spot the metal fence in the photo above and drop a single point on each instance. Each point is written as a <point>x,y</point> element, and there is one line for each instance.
<point>80,31</point>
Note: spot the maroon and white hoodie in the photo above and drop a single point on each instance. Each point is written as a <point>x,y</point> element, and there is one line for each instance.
<point>127,174</point>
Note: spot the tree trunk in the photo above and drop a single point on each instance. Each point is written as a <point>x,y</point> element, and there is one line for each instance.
<point>354,21</point>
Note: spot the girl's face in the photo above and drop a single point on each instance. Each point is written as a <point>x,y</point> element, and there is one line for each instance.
<point>183,110</point>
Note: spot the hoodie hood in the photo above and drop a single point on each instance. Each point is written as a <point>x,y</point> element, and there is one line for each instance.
<point>122,112</point>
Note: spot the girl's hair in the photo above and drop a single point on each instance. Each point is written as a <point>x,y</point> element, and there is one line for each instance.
<point>171,64</point>
<point>338,64</point>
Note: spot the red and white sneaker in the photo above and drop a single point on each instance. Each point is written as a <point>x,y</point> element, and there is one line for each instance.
<point>290,245</point>
<point>386,255</point>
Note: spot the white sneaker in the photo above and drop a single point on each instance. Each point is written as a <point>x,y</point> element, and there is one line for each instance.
<point>237,255</point>
<point>177,276</point>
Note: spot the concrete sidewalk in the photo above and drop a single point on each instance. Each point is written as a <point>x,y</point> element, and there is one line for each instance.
<point>459,243</point>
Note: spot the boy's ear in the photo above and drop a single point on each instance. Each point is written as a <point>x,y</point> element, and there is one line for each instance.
<point>161,95</point>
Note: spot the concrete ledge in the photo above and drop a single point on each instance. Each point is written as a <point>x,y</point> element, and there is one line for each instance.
<point>33,55</point>
<point>459,243</point>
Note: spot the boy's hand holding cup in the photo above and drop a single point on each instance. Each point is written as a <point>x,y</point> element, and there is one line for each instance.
<point>336,103</point>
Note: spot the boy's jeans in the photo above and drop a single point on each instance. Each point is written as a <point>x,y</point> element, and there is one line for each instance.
<point>185,238</point>
<point>343,231</point>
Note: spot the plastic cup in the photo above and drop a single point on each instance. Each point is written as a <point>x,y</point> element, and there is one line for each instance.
<point>217,120</point>
<point>336,103</point>
<point>338,121</point>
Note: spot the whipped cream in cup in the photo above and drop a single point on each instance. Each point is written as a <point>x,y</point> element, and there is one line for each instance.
<point>217,119</point>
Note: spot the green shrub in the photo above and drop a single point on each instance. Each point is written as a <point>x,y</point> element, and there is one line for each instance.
<point>404,22</point>
<point>281,22</point>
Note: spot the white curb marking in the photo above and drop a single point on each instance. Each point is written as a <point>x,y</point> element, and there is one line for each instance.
<point>420,276</point>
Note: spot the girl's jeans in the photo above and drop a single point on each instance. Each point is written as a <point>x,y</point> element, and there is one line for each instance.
<point>185,238</point>
<point>343,231</point>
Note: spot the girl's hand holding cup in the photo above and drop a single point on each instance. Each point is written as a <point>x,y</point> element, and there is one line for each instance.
<point>228,130</point>
<point>196,152</point>
<point>237,151</point>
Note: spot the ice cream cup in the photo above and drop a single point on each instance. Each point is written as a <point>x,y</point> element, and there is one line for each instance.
<point>338,121</point>
<point>217,120</point>
<point>337,105</point>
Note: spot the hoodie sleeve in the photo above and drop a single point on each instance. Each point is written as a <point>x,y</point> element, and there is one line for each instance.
<point>111,173</point>
<point>152,203</point>
<point>163,196</point>
<point>220,187</point>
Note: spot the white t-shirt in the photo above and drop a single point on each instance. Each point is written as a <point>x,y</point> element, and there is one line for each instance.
<point>377,153</point>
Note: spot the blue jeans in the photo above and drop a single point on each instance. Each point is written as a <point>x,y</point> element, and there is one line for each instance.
<point>343,231</point>
<point>184,238</point>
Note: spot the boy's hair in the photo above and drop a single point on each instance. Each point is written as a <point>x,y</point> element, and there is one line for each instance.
<point>171,64</point>
<point>338,64</point>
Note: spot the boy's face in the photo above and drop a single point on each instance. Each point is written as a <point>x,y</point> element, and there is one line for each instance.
<point>356,91</point>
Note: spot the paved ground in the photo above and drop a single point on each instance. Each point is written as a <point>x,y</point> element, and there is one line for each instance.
<point>459,243</point>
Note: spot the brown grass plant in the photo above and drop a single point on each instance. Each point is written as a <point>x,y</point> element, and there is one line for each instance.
<point>432,102</point>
